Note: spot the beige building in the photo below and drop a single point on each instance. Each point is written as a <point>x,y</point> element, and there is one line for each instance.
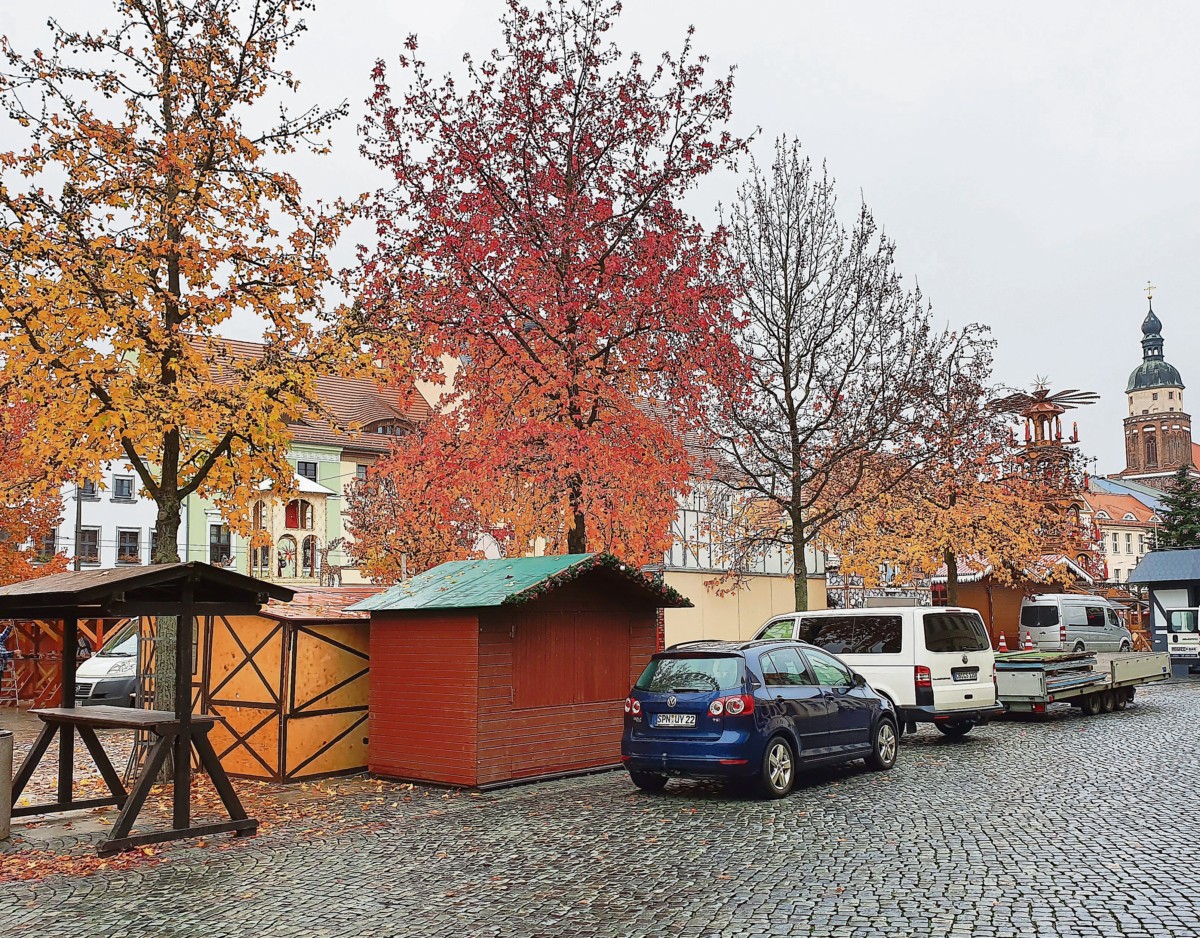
<point>1126,526</point>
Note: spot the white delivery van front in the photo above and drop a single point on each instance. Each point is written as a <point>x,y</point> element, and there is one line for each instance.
<point>109,677</point>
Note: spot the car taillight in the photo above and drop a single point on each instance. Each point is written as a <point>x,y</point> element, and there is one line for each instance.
<point>1062,636</point>
<point>923,677</point>
<point>633,706</point>
<point>628,704</point>
<point>734,706</point>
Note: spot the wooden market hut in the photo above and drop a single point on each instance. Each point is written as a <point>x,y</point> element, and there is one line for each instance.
<point>490,671</point>
<point>1172,578</point>
<point>289,686</point>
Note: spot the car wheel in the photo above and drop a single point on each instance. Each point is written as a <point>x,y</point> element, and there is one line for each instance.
<point>887,745</point>
<point>648,781</point>
<point>955,729</point>
<point>778,769</point>
<point>1079,646</point>
<point>1125,646</point>
<point>1091,704</point>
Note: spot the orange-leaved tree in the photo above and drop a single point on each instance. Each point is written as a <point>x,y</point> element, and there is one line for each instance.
<point>30,506</point>
<point>535,226</point>
<point>144,209</point>
<point>974,500</point>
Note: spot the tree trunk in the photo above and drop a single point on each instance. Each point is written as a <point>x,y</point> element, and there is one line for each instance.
<point>577,536</point>
<point>951,576</point>
<point>800,564</point>
<point>166,550</point>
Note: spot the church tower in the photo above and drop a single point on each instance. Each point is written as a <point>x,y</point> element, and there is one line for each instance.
<point>1158,431</point>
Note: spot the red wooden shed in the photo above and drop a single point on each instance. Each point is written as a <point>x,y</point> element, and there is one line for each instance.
<point>488,671</point>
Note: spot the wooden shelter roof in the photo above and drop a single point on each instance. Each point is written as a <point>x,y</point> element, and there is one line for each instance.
<point>152,590</point>
<point>468,584</point>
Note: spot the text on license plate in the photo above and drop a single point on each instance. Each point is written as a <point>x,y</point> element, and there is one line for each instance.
<point>676,719</point>
<point>965,674</point>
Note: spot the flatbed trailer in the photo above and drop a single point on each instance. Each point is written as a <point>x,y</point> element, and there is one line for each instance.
<point>1030,681</point>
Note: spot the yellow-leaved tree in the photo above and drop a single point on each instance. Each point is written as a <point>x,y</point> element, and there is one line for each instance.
<point>143,209</point>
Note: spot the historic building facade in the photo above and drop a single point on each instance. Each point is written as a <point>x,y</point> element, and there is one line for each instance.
<point>1158,428</point>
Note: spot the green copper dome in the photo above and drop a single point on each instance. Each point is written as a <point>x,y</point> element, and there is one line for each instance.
<point>1154,371</point>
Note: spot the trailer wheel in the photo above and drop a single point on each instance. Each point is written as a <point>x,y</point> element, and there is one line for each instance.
<point>1129,693</point>
<point>1122,698</point>
<point>1091,705</point>
<point>1108,701</point>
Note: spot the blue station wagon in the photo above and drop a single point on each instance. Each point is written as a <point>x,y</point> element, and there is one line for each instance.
<point>752,712</point>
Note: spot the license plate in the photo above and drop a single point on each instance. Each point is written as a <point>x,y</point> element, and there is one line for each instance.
<point>676,719</point>
<point>965,674</point>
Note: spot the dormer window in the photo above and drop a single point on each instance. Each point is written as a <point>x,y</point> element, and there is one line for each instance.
<point>1102,515</point>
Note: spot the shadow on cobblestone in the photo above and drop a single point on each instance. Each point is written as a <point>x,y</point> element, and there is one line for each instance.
<point>1062,827</point>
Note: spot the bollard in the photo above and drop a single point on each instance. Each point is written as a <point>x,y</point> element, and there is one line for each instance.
<point>6,759</point>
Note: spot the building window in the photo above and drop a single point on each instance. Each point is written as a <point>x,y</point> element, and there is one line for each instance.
<point>88,490</point>
<point>308,470</point>
<point>122,488</point>
<point>259,516</point>
<point>1170,395</point>
<point>1141,544</point>
<point>260,561</point>
<point>1151,451</point>
<point>47,547</point>
<point>220,544</point>
<point>286,556</point>
<point>1116,543</point>
<point>360,472</point>
<point>1129,543</point>
<point>1154,396</point>
<point>298,515</point>
<point>88,548</point>
<point>308,557</point>
<point>153,543</point>
<point>129,546</point>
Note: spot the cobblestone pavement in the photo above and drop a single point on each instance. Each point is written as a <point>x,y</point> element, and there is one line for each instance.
<point>1073,826</point>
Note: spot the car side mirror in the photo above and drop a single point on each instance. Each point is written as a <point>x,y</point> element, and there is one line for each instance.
<point>859,680</point>
<point>755,684</point>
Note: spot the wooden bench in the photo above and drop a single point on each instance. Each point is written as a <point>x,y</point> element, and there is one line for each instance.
<point>66,721</point>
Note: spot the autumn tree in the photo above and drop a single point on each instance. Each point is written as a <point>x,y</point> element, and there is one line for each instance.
<point>30,505</point>
<point>145,209</point>
<point>975,498</point>
<point>1180,512</point>
<point>535,226</point>
<point>842,357</point>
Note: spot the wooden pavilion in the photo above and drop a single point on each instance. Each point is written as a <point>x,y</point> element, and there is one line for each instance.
<point>184,590</point>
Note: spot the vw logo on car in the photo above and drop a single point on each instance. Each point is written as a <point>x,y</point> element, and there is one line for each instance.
<point>672,700</point>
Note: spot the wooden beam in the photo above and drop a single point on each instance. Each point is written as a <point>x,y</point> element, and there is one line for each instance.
<point>147,607</point>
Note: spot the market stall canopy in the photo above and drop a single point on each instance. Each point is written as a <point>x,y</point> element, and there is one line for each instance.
<point>131,591</point>
<point>470,584</point>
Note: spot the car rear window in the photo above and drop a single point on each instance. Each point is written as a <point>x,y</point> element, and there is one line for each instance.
<point>700,673</point>
<point>1039,617</point>
<point>955,631</point>
<point>854,635</point>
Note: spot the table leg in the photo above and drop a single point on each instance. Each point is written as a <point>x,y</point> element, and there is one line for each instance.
<point>32,758</point>
<point>100,757</point>
<point>66,763</point>
<point>141,788</point>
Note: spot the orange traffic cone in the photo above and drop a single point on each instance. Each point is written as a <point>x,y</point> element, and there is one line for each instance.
<point>1028,641</point>
<point>1002,645</point>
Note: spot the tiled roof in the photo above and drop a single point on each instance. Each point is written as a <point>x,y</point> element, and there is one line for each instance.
<point>1117,507</point>
<point>323,604</point>
<point>1168,566</point>
<point>350,401</point>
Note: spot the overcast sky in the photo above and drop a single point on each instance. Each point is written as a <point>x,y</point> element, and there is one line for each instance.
<point>1036,162</point>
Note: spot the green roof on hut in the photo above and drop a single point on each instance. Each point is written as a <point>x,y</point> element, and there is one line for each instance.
<point>468,584</point>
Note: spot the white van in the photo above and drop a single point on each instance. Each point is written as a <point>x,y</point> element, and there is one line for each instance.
<point>1073,622</point>
<point>935,664</point>
<point>109,677</point>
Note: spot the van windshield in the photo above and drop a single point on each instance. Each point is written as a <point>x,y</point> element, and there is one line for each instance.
<point>123,644</point>
<point>1039,617</point>
<point>955,631</point>
<point>1185,620</point>
<point>700,674</point>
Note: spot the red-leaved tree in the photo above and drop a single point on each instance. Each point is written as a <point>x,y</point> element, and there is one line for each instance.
<point>534,232</point>
<point>30,505</point>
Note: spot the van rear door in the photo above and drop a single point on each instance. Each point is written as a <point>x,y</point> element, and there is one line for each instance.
<point>960,659</point>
